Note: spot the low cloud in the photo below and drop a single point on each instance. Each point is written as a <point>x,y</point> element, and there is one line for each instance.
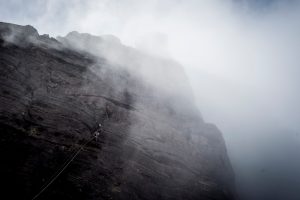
<point>241,58</point>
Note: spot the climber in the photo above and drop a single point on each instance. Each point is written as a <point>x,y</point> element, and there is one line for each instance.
<point>98,131</point>
<point>96,134</point>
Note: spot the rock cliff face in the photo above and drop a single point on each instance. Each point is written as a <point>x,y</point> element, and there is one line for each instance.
<point>153,143</point>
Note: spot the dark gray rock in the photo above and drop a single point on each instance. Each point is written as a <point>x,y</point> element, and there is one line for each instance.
<point>153,143</point>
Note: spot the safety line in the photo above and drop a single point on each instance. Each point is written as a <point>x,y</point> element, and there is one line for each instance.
<point>65,166</point>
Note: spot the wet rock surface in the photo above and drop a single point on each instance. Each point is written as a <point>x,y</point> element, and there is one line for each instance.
<point>154,143</point>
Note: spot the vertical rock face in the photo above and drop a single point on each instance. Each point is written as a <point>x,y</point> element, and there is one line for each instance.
<point>153,143</point>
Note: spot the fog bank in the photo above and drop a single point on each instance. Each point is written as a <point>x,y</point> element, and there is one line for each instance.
<point>241,58</point>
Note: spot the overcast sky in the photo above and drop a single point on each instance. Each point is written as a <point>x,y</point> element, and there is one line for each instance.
<point>242,58</point>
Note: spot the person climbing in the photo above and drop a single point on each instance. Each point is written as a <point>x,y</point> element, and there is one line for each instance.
<point>96,134</point>
<point>98,131</point>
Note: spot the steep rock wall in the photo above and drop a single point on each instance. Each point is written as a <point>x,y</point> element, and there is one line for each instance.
<point>153,145</point>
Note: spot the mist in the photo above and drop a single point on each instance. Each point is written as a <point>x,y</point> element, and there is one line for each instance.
<point>241,59</point>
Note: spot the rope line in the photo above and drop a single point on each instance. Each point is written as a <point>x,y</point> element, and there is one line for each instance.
<point>62,166</point>
<point>66,164</point>
<point>58,170</point>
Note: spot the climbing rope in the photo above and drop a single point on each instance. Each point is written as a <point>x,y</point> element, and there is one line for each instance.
<point>66,164</point>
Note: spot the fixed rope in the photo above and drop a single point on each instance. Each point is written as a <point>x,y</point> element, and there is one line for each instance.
<point>66,164</point>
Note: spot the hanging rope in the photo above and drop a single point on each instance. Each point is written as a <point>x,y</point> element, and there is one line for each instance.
<point>66,164</point>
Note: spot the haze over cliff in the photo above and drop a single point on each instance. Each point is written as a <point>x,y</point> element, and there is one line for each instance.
<point>153,142</point>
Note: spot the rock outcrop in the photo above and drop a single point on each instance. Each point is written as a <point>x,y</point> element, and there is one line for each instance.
<point>153,143</point>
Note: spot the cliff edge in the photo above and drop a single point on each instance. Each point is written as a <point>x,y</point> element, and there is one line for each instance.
<point>152,141</point>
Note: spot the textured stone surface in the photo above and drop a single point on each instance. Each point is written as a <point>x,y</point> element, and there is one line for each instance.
<point>154,143</point>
